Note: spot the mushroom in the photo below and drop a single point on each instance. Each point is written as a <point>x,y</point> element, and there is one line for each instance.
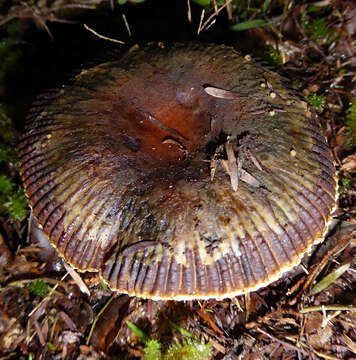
<point>179,171</point>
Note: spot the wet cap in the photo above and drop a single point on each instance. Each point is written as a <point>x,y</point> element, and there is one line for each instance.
<point>182,171</point>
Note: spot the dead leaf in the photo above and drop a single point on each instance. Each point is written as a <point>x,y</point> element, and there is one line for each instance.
<point>349,163</point>
<point>223,94</point>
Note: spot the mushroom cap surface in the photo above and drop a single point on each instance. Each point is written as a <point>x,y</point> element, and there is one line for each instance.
<point>182,171</point>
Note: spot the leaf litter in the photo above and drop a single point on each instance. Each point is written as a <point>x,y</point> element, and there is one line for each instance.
<point>47,314</point>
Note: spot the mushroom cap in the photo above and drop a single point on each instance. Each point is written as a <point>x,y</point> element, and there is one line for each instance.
<point>180,171</point>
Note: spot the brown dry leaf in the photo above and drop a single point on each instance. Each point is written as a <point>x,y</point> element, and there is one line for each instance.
<point>313,88</point>
<point>11,333</point>
<point>340,137</point>
<point>350,343</point>
<point>71,337</point>
<point>5,255</point>
<point>109,323</point>
<point>207,318</point>
<point>319,336</point>
<point>349,163</point>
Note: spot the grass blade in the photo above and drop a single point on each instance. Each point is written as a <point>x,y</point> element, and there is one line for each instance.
<point>249,25</point>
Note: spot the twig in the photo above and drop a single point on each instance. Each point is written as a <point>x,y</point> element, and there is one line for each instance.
<point>216,13</point>
<point>39,333</point>
<point>77,279</point>
<point>254,160</point>
<point>328,308</point>
<point>232,166</point>
<point>201,21</point>
<point>344,322</point>
<point>210,25</point>
<point>229,11</point>
<point>126,24</point>
<point>6,19</point>
<point>102,36</point>
<point>189,11</point>
<point>249,179</point>
<point>284,343</point>
<point>207,318</point>
<point>247,306</point>
<point>213,164</point>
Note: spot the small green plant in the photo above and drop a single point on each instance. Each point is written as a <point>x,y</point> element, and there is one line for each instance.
<point>7,151</point>
<point>319,31</point>
<point>17,204</point>
<point>51,347</point>
<point>273,56</point>
<point>249,24</point>
<point>202,2</point>
<point>351,124</point>
<point>103,284</point>
<point>344,185</point>
<point>316,27</point>
<point>12,199</point>
<point>39,288</point>
<point>152,350</point>
<point>6,184</point>
<point>13,202</point>
<point>345,182</point>
<point>318,101</point>
<point>191,348</point>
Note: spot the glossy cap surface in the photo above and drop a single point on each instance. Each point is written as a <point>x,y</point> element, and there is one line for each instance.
<point>179,172</point>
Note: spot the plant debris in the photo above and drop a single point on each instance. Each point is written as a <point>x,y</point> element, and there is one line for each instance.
<point>46,314</point>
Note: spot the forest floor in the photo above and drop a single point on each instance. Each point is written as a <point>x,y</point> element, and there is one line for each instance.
<point>47,311</point>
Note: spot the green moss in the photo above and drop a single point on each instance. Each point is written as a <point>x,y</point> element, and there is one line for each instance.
<point>6,185</point>
<point>7,153</point>
<point>39,288</point>
<point>17,205</point>
<point>345,184</point>
<point>13,202</point>
<point>189,349</point>
<point>273,56</point>
<point>318,101</point>
<point>152,350</point>
<point>317,29</point>
<point>351,125</point>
